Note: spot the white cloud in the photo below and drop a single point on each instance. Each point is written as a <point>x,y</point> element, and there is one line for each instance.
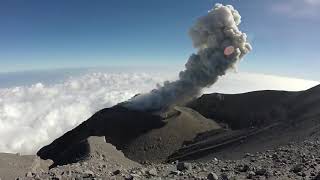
<point>297,8</point>
<point>246,82</point>
<point>33,116</point>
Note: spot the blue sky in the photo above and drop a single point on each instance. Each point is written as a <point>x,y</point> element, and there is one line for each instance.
<point>47,34</point>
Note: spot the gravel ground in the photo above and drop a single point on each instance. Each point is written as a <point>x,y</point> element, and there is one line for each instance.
<point>293,161</point>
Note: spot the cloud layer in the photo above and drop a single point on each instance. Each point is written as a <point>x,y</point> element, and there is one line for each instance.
<point>33,116</point>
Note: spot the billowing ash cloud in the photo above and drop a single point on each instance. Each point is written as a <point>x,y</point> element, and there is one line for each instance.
<point>220,46</point>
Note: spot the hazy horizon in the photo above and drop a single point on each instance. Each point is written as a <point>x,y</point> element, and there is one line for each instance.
<point>41,106</point>
<point>43,35</point>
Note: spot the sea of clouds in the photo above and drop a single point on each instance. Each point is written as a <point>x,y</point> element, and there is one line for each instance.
<point>33,115</point>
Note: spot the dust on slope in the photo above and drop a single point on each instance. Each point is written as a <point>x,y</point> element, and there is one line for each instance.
<point>158,144</point>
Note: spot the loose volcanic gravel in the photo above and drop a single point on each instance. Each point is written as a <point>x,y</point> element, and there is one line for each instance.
<point>293,161</point>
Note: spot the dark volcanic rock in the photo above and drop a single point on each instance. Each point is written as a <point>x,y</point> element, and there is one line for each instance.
<point>159,144</point>
<point>181,166</point>
<point>212,176</point>
<point>118,125</point>
<point>297,168</point>
<point>141,136</point>
<point>242,168</point>
<point>258,120</point>
<point>243,110</point>
<point>116,172</point>
<point>278,117</point>
<point>317,177</point>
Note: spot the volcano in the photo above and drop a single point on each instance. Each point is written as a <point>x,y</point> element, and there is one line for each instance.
<point>213,125</point>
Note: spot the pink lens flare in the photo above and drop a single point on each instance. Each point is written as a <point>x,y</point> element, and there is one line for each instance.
<point>229,50</point>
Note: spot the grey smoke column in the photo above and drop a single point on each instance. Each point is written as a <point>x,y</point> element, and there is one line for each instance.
<point>220,46</point>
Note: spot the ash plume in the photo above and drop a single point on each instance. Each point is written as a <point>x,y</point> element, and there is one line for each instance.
<point>220,46</point>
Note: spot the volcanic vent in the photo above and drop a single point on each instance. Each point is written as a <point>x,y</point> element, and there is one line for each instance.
<point>150,126</point>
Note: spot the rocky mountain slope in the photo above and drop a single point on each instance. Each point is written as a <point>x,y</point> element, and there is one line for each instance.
<point>218,125</point>
<point>216,133</point>
<point>268,118</point>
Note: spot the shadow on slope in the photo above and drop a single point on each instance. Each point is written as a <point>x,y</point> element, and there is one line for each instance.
<point>244,110</point>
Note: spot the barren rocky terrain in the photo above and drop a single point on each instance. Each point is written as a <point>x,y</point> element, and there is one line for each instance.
<point>292,161</point>
<point>256,135</point>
